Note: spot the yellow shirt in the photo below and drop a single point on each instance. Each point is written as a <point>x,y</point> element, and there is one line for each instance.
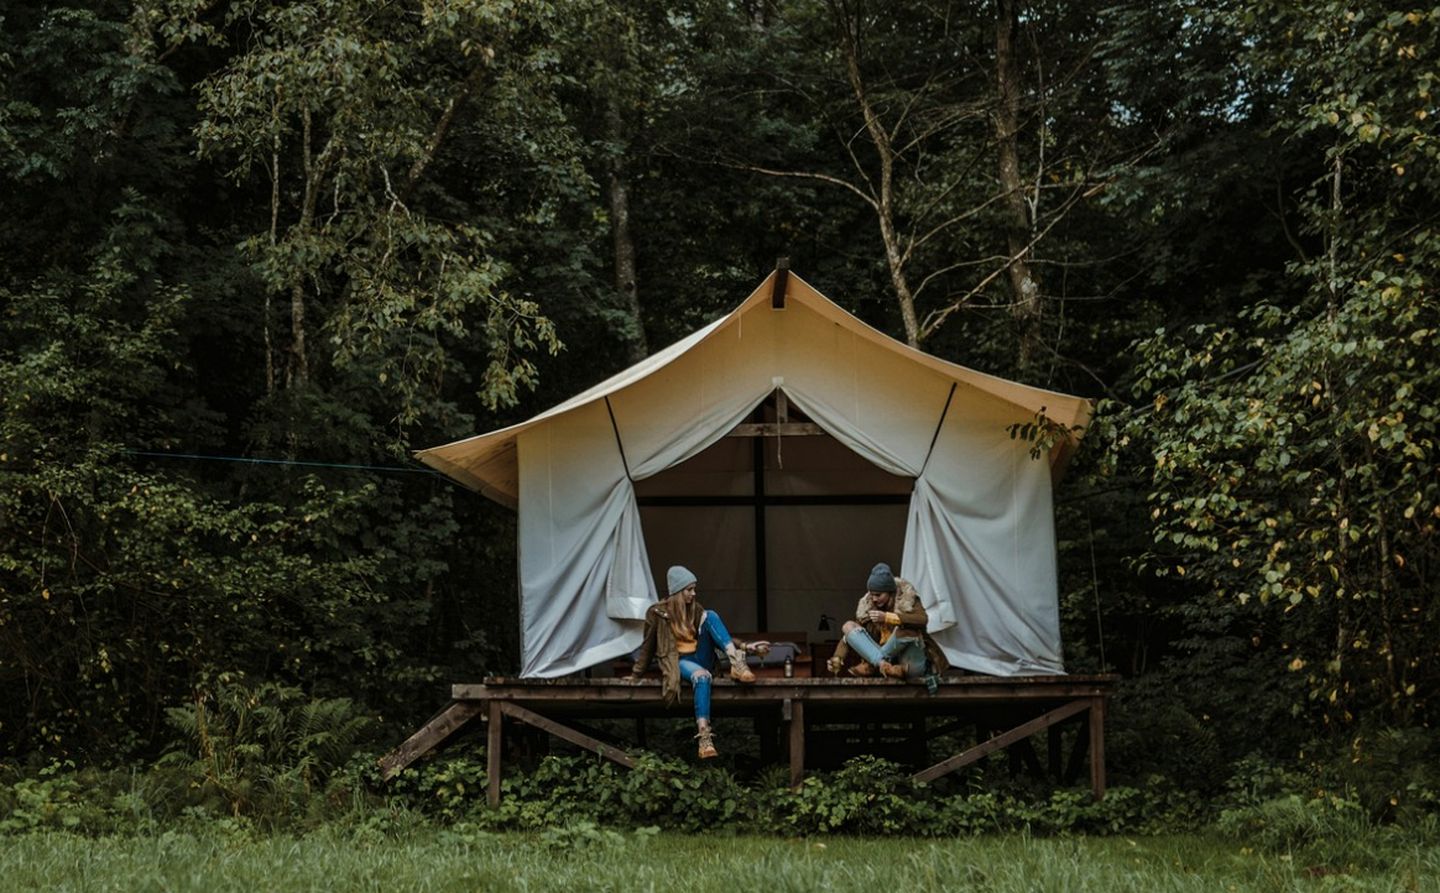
<point>892,621</point>
<point>685,645</point>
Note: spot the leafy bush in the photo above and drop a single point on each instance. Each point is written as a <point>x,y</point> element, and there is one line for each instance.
<point>263,749</point>
<point>678,795</point>
<point>449,787</point>
<point>90,800</point>
<point>1394,774</point>
<point>868,796</point>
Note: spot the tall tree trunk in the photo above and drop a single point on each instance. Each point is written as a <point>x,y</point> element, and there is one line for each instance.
<point>274,237</point>
<point>624,242</point>
<point>884,197</point>
<point>299,369</point>
<point>1025,291</point>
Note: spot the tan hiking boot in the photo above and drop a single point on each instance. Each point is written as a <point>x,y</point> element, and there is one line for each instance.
<point>892,671</point>
<point>741,672</point>
<point>835,664</point>
<point>863,670</point>
<point>707,749</point>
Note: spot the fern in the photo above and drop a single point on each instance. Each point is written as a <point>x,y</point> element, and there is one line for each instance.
<point>239,741</point>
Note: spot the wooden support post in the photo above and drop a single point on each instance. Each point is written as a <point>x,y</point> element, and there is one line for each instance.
<point>1079,752</point>
<point>493,743</point>
<point>782,280</point>
<point>530,717</point>
<point>440,727</point>
<point>1004,739</point>
<point>794,712</point>
<point>1097,748</point>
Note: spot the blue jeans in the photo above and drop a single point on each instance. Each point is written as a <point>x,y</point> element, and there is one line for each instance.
<point>908,652</point>
<point>695,668</point>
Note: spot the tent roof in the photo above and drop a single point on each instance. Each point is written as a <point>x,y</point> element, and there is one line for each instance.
<point>487,463</point>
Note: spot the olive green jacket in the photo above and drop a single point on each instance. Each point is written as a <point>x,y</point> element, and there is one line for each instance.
<point>659,644</point>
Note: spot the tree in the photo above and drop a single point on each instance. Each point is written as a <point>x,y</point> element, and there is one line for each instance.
<point>1292,454</point>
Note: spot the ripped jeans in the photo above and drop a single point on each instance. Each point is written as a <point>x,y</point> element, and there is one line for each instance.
<point>695,668</point>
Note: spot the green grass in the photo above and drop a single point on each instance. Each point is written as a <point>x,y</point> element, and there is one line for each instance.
<point>587,859</point>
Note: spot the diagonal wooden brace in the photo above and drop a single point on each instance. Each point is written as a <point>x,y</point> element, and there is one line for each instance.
<point>441,726</point>
<point>530,717</point>
<point>1005,739</point>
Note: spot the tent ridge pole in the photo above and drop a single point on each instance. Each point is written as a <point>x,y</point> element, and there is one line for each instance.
<point>619,444</point>
<point>933,438</point>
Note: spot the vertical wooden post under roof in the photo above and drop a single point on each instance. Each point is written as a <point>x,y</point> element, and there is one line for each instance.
<point>782,281</point>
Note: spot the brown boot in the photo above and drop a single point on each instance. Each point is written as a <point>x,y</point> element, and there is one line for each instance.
<point>835,664</point>
<point>893,671</point>
<point>863,670</point>
<point>707,744</point>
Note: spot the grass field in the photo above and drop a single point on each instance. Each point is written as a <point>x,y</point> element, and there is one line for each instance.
<point>587,859</point>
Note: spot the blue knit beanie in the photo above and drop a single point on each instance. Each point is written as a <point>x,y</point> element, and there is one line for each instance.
<point>677,578</point>
<point>881,579</point>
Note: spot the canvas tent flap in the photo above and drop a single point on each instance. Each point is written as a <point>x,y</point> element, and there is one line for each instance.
<point>979,540</point>
<point>583,568</point>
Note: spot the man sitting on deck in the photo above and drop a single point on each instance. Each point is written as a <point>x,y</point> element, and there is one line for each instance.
<point>888,632</point>
<point>683,637</point>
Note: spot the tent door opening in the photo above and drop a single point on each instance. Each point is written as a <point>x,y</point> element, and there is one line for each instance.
<point>780,521</point>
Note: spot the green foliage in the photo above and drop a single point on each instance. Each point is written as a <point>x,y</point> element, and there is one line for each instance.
<point>262,748</point>
<point>1394,774</point>
<point>1336,813</point>
<point>448,787</point>
<point>59,796</point>
<point>1285,449</point>
<point>868,796</point>
<point>332,231</point>
<point>349,105</point>
<point>582,836</point>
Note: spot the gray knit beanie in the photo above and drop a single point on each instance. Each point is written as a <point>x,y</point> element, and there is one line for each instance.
<point>677,578</point>
<point>881,579</point>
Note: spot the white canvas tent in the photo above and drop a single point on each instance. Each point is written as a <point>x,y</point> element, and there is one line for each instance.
<point>917,464</point>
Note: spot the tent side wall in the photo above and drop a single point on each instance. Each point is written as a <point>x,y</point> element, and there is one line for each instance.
<point>983,521</point>
<point>581,592</point>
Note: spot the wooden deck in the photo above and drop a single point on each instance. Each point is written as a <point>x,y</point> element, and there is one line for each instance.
<point>800,705</point>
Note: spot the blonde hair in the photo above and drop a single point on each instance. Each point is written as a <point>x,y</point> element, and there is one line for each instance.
<point>680,623</point>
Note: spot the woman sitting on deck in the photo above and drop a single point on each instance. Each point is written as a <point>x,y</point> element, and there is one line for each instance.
<point>683,637</point>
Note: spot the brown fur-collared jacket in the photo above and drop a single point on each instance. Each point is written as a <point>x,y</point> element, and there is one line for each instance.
<point>913,619</point>
<point>659,643</point>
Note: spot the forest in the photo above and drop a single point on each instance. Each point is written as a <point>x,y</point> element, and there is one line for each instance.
<point>256,253</point>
